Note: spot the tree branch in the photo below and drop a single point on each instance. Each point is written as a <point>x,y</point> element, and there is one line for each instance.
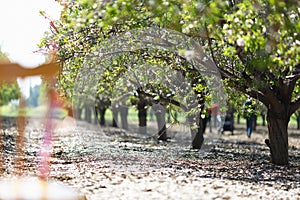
<point>292,80</point>
<point>294,106</point>
<point>165,100</point>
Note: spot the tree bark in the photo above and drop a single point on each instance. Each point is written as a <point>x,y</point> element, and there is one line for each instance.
<point>298,121</point>
<point>278,135</point>
<point>124,114</point>
<point>115,120</point>
<point>263,117</point>
<point>87,114</point>
<point>100,115</point>
<point>95,116</point>
<point>161,125</point>
<point>142,114</point>
<point>160,114</point>
<point>196,132</point>
<point>197,135</point>
<point>79,113</point>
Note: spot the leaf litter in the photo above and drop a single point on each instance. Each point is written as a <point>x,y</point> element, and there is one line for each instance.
<point>109,163</point>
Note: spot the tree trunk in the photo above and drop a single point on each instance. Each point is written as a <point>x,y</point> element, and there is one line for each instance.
<point>204,124</point>
<point>87,114</point>
<point>198,139</point>
<point>263,117</point>
<point>160,114</point>
<point>142,114</point>
<point>115,120</point>
<point>161,125</point>
<point>298,121</point>
<point>102,116</point>
<point>197,133</point>
<point>278,135</point>
<point>95,119</point>
<point>124,114</point>
<point>79,113</point>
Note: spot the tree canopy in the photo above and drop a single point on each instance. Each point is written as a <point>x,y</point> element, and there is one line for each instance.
<point>254,45</point>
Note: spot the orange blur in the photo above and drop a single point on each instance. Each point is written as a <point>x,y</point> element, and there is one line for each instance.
<point>11,71</point>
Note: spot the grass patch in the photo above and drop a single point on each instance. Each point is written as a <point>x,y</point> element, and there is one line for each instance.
<point>40,111</point>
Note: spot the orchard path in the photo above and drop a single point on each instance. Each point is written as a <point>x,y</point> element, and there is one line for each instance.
<point>108,163</point>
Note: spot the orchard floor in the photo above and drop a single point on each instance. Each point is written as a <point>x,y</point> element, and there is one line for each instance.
<point>108,163</point>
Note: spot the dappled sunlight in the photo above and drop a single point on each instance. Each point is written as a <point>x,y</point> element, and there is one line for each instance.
<point>151,100</point>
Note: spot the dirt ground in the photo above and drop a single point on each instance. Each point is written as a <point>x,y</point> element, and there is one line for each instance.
<point>109,163</point>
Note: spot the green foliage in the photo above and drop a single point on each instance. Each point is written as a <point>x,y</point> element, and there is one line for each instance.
<point>255,44</point>
<point>260,38</point>
<point>8,91</point>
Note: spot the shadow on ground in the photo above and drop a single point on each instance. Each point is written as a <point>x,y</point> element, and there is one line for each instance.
<point>106,162</point>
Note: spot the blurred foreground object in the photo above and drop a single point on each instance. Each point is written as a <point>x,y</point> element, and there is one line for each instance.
<point>33,188</point>
<point>11,71</point>
<point>36,189</point>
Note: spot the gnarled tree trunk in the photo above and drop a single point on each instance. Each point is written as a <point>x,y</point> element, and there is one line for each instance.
<point>196,132</point>
<point>278,136</point>
<point>197,135</point>
<point>142,114</point>
<point>160,114</point>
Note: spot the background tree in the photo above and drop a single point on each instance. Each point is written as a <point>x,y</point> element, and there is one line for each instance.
<point>78,34</point>
<point>34,96</point>
<point>8,91</point>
